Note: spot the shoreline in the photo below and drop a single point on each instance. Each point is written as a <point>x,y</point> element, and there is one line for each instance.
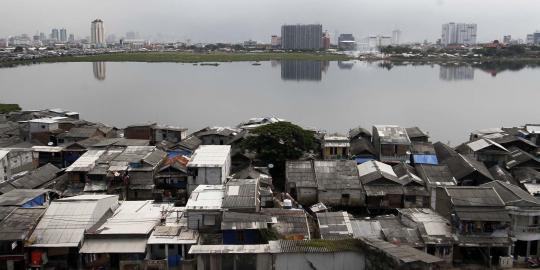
<point>182,57</point>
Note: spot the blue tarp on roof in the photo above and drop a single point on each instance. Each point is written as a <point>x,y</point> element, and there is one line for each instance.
<point>360,160</point>
<point>425,159</point>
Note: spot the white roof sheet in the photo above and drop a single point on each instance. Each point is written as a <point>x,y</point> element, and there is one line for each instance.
<point>55,149</point>
<point>206,197</point>
<point>3,153</point>
<point>184,236</point>
<point>86,162</point>
<point>131,245</point>
<point>133,217</point>
<point>375,166</point>
<point>533,129</point>
<point>210,156</point>
<point>66,220</point>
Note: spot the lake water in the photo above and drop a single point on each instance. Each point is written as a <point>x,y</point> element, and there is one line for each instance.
<point>446,101</point>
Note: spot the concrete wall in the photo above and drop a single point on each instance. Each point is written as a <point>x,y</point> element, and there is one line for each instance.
<point>320,261</point>
<point>306,196</point>
<point>334,197</point>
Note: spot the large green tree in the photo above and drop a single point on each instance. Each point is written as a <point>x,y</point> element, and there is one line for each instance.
<point>278,142</point>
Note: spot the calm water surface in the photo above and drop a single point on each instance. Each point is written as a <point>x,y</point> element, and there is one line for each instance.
<point>446,101</point>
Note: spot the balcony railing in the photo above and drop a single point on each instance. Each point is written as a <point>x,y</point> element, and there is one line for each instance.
<point>527,229</point>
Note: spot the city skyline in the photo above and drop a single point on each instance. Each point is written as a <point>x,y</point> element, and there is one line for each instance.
<point>168,20</point>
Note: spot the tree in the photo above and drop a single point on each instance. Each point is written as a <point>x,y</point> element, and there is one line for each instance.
<point>278,142</point>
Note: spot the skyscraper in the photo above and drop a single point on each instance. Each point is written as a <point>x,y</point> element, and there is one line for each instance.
<point>42,36</point>
<point>97,33</point>
<point>71,38</point>
<point>302,37</point>
<point>396,37</point>
<point>63,35</point>
<point>346,42</point>
<point>54,35</point>
<point>458,33</point>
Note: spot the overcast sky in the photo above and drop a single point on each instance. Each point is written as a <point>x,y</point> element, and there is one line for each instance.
<point>238,20</point>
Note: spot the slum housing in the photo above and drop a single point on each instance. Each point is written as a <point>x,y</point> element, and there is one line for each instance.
<point>81,195</point>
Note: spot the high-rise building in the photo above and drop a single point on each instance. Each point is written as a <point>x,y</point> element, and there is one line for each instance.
<point>326,40</point>
<point>54,35</point>
<point>275,41</point>
<point>376,42</point>
<point>536,38</point>
<point>97,33</point>
<point>396,37</point>
<point>71,38</point>
<point>530,39</point>
<point>458,33</point>
<point>63,35</point>
<point>132,35</point>
<point>42,36</point>
<point>346,42</point>
<point>507,39</point>
<point>301,37</point>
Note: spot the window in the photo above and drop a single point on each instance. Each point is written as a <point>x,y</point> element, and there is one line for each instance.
<point>209,220</point>
<point>536,220</point>
<point>387,150</point>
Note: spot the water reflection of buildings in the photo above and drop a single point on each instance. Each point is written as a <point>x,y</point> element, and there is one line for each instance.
<point>456,73</point>
<point>303,70</point>
<point>99,70</point>
<point>345,64</point>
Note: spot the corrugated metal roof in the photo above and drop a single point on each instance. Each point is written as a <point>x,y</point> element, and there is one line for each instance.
<point>18,197</point>
<point>436,175</point>
<point>404,254</point>
<point>86,162</point>
<point>474,196</point>
<point>366,228</point>
<point>241,194</point>
<point>482,214</point>
<point>133,217</point>
<point>337,175</point>
<point>334,224</point>
<point>392,134</point>
<point>301,173</point>
<point>210,156</point>
<point>19,224</point>
<point>371,171</point>
<point>37,177</point>
<point>66,220</point>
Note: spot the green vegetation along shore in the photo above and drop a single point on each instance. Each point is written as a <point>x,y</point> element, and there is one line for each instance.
<point>5,108</point>
<point>184,57</point>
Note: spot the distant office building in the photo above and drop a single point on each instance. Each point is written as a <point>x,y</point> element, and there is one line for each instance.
<point>55,35</point>
<point>97,33</point>
<point>396,37</point>
<point>346,42</point>
<point>456,73</point>
<point>42,36</point>
<point>71,38</point>
<point>35,38</point>
<point>458,33</point>
<point>250,44</point>
<point>507,39</point>
<point>536,38</point>
<point>63,35</point>
<point>302,37</point>
<point>275,41</point>
<point>376,42</point>
<point>111,39</point>
<point>530,39</point>
<point>326,40</point>
<point>131,35</point>
<point>3,43</point>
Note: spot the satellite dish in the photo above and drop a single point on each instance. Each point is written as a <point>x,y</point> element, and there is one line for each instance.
<point>270,166</point>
